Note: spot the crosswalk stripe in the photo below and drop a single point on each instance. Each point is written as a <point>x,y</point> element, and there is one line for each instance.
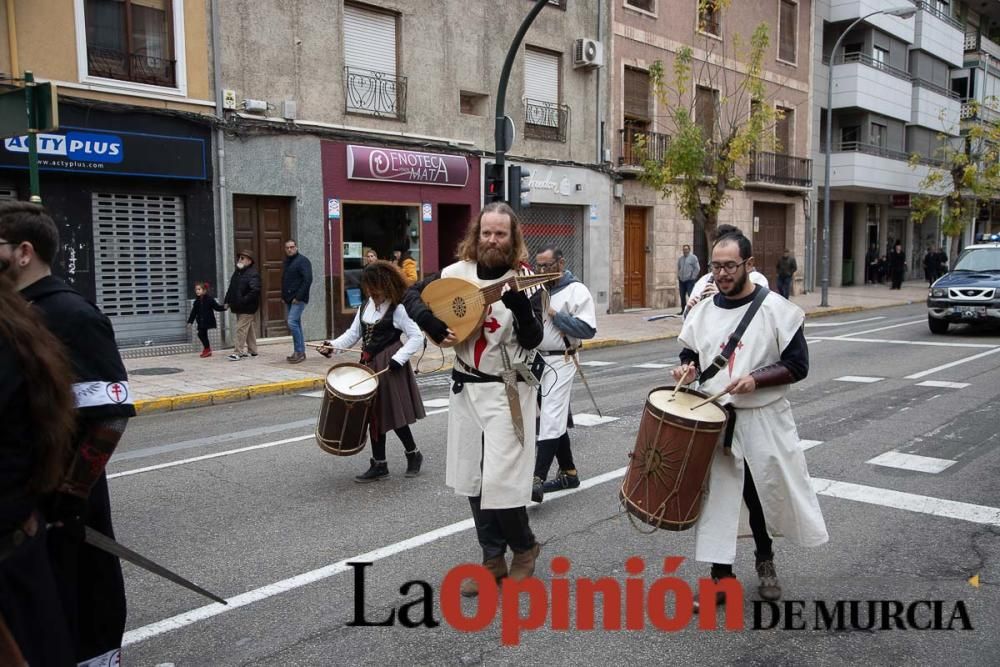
<point>586,419</point>
<point>436,403</point>
<point>942,384</point>
<point>809,444</point>
<point>651,365</point>
<point>911,462</point>
<point>863,379</point>
<point>951,509</point>
<point>597,363</point>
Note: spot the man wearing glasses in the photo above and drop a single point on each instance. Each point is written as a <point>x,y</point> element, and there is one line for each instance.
<point>568,318</point>
<point>765,467</point>
<point>296,279</point>
<point>705,286</point>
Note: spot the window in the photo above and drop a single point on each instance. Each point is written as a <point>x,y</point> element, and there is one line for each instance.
<point>879,135</point>
<point>850,136</point>
<point>644,5</point>
<point>383,228</point>
<point>131,40</point>
<point>706,106</point>
<point>783,128</point>
<point>710,17</point>
<point>788,36</point>
<point>544,116</point>
<point>880,56</point>
<point>636,95</point>
<point>372,86</point>
<point>472,104</point>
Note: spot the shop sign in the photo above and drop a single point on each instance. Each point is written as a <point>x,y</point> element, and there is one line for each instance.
<point>86,150</point>
<point>426,212</point>
<point>333,208</point>
<point>899,201</point>
<point>368,163</point>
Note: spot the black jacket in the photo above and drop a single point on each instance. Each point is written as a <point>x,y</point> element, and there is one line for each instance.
<point>296,279</point>
<point>243,295</point>
<point>203,311</point>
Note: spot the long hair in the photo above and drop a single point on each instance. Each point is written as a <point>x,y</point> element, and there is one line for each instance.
<point>47,380</point>
<point>385,278</point>
<point>468,249</point>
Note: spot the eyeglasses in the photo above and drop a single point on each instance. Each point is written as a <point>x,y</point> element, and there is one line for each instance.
<point>543,268</point>
<point>728,267</point>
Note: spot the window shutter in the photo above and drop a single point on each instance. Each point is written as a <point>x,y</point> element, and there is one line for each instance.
<point>787,31</point>
<point>783,132</point>
<point>705,111</point>
<point>636,94</point>
<point>369,40</point>
<point>541,76</point>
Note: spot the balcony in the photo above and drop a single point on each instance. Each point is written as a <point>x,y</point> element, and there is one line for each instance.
<point>136,67</point>
<point>935,107</point>
<point>976,43</point>
<point>372,93</point>
<point>875,168</point>
<point>975,111</point>
<point>859,81</point>
<point>939,33</point>
<point>545,120</point>
<point>780,169</point>
<point>635,146</point>
<point>848,10</point>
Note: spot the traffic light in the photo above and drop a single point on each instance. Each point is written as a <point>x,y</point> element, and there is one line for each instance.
<point>494,182</point>
<point>519,180</point>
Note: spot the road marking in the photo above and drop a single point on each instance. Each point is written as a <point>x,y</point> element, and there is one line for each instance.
<point>863,379</point>
<point>188,618</point>
<point>243,435</point>
<point>597,363</point>
<point>842,324</point>
<point>891,326</point>
<point>942,384</point>
<point>314,394</point>
<point>436,403</point>
<point>651,366</point>
<point>929,371</point>
<point>912,502</point>
<point>930,343</point>
<point>585,419</point>
<point>171,464</point>
<point>809,444</point>
<point>436,412</point>
<point>911,462</point>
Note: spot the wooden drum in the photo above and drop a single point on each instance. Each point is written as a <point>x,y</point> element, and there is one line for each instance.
<point>668,470</point>
<point>348,401</point>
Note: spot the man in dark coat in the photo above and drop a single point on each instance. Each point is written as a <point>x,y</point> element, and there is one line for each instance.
<point>243,299</point>
<point>296,279</point>
<point>89,581</point>
<point>897,266</point>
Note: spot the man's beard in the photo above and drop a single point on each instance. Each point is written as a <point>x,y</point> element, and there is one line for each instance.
<point>738,285</point>
<point>494,257</point>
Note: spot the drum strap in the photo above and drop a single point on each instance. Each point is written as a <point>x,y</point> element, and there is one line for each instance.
<point>723,358</point>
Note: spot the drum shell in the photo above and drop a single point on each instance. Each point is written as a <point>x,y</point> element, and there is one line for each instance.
<point>342,428</point>
<point>669,467</point>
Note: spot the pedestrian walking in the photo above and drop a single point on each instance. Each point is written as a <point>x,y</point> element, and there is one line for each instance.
<point>871,265</point>
<point>202,315</point>
<point>296,279</point>
<point>897,266</point>
<point>930,266</point>
<point>688,270</point>
<point>786,273</point>
<point>940,262</point>
<point>243,300</point>
<point>407,265</point>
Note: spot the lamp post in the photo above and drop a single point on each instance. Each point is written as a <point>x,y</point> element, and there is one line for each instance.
<point>903,12</point>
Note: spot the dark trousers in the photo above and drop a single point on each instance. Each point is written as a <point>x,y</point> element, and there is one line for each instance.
<point>554,448</point>
<point>203,337</point>
<point>785,286</point>
<point>498,529</point>
<point>897,279</point>
<point>685,287</point>
<point>403,433</point>
<point>762,540</point>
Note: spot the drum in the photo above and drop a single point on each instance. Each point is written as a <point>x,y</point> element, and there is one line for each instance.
<point>669,467</point>
<point>348,401</point>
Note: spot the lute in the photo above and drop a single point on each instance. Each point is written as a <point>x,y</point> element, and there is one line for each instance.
<point>462,304</point>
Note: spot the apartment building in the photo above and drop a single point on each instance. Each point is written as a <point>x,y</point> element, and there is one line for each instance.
<point>353,125</point>
<point>900,87</point>
<point>128,174</point>
<point>649,231</point>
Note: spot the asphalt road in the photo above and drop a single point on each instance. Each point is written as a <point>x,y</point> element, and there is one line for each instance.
<point>241,499</point>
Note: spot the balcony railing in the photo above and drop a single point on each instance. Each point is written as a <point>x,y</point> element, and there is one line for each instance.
<point>880,151</point>
<point>972,110</point>
<point>944,16</point>
<point>866,59</point>
<point>373,93</point>
<point>137,67</point>
<point>780,169</point>
<point>545,120</point>
<point>933,87</point>
<point>630,154</point>
<point>975,42</point>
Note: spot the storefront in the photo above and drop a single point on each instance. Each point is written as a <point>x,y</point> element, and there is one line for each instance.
<point>131,194</point>
<point>390,200</point>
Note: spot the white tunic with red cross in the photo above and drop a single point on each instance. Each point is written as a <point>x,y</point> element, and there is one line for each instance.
<point>485,457</point>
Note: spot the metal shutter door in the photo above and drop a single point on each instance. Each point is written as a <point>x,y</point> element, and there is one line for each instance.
<point>369,40</point>
<point>561,226</point>
<point>541,76</point>
<point>140,266</point>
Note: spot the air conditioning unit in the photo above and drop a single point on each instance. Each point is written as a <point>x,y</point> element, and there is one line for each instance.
<point>588,53</point>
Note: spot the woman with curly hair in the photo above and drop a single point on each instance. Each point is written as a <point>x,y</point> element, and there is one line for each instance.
<point>379,324</point>
<point>37,413</point>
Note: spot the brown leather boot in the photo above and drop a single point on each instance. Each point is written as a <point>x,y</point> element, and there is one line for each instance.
<point>523,564</point>
<point>496,566</point>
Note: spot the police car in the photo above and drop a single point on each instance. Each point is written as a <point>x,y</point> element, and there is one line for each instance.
<point>970,293</point>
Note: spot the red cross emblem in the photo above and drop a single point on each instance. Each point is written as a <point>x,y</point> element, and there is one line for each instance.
<point>117,392</point>
<point>491,325</point>
<point>732,359</point>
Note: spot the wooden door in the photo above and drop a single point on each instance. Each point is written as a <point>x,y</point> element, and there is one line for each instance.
<point>769,239</point>
<point>635,257</point>
<point>263,224</point>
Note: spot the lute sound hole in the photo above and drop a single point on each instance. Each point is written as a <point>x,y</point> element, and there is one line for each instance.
<point>458,306</point>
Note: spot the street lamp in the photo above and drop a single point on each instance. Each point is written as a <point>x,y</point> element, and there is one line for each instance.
<point>903,12</point>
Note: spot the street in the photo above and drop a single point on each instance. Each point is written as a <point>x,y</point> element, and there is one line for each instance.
<point>900,428</point>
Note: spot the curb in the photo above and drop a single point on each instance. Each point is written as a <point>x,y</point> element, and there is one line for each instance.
<point>233,395</point>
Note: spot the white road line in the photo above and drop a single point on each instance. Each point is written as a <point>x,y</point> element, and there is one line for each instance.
<point>842,324</point>
<point>930,343</point>
<point>912,502</point>
<point>651,365</point>
<point>911,462</point>
<point>228,452</point>
<point>862,379</point>
<point>929,371</point>
<point>809,444</point>
<point>188,618</point>
<point>585,419</point>
<point>436,412</point>
<point>314,394</point>
<point>891,326</point>
<point>943,384</point>
<point>597,363</point>
<point>436,403</point>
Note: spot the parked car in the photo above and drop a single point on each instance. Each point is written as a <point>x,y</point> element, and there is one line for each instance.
<point>970,292</point>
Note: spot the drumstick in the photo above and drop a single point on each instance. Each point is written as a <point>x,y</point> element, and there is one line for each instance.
<point>369,378</point>
<point>331,347</point>
<point>710,399</point>
<point>677,388</point>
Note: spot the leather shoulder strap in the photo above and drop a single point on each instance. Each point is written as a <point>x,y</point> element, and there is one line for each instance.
<point>723,358</point>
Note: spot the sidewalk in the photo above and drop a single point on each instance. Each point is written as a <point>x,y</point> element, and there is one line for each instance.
<point>178,381</point>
